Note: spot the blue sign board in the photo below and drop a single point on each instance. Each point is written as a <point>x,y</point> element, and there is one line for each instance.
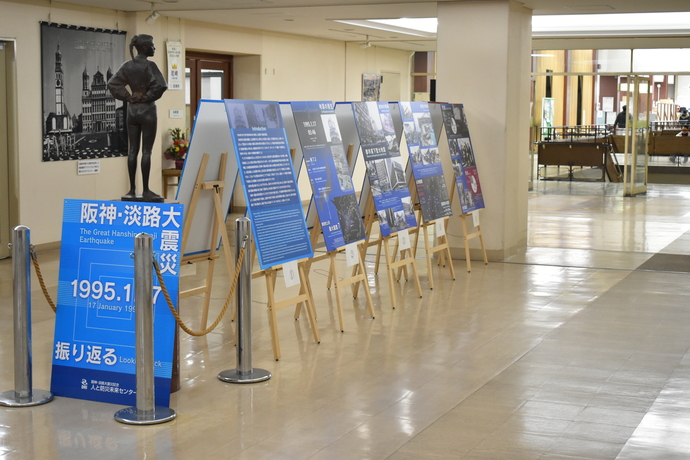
<point>329,173</point>
<point>462,157</point>
<point>425,160</point>
<point>384,166</point>
<point>268,179</point>
<point>94,355</point>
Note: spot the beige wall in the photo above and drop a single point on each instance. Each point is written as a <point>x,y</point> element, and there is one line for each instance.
<point>268,66</point>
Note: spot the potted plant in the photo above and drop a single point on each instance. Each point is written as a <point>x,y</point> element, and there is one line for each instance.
<point>178,149</point>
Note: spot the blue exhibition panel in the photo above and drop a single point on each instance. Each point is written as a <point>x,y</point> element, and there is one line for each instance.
<point>94,355</point>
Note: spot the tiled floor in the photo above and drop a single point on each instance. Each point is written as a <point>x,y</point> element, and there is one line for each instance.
<point>563,351</point>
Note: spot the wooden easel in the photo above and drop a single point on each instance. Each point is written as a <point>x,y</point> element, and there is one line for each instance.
<point>216,187</point>
<point>467,237</point>
<point>354,280</point>
<point>442,241</point>
<point>406,257</point>
<point>304,295</point>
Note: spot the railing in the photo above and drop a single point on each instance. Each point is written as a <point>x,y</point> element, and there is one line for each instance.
<point>580,133</point>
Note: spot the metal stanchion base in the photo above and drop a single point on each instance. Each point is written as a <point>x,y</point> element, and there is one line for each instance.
<point>9,398</point>
<point>234,376</point>
<point>130,416</point>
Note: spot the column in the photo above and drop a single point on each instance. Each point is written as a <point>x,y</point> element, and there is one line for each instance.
<point>483,62</point>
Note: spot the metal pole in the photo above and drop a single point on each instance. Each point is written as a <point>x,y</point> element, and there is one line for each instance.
<point>23,394</point>
<point>244,373</point>
<point>145,412</point>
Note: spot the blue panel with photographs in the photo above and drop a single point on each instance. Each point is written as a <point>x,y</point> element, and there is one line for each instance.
<point>462,157</point>
<point>426,160</point>
<point>329,173</point>
<point>385,170</point>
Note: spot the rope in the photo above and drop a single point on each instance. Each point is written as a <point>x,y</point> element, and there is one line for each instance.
<point>179,321</point>
<point>34,259</point>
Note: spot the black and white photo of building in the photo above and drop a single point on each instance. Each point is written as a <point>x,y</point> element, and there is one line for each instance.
<point>81,119</point>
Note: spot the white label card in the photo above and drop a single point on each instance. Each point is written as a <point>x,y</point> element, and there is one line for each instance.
<point>88,167</point>
<point>351,254</point>
<point>440,225</point>
<point>290,273</point>
<point>475,218</point>
<point>403,240</point>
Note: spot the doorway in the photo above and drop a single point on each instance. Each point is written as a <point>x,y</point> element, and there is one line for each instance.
<point>390,86</point>
<point>209,76</point>
<point>5,224</point>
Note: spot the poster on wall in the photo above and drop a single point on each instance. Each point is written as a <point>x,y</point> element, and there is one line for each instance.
<point>268,179</point>
<point>81,119</point>
<point>371,86</point>
<point>329,173</point>
<point>462,158</point>
<point>94,353</point>
<point>425,160</point>
<point>385,170</point>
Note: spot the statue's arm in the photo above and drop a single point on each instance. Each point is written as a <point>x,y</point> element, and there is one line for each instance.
<point>117,85</point>
<point>158,84</point>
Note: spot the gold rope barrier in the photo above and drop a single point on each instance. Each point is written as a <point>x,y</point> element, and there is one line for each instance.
<point>183,326</point>
<point>34,259</point>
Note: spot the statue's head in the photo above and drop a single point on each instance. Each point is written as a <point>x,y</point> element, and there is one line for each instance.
<point>143,43</point>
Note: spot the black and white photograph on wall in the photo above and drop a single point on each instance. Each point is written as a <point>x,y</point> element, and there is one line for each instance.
<point>371,86</point>
<point>350,218</point>
<point>81,119</point>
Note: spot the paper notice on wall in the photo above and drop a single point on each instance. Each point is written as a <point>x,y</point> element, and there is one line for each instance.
<point>175,66</point>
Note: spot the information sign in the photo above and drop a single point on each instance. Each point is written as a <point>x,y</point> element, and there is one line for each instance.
<point>462,158</point>
<point>425,160</point>
<point>329,173</point>
<point>94,355</point>
<point>384,166</point>
<point>268,180</point>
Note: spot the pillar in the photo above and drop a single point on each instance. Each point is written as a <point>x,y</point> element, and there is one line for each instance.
<point>484,63</point>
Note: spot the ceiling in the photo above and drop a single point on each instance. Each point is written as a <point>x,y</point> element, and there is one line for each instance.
<point>316,17</point>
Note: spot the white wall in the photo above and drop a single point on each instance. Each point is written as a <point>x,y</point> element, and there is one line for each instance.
<point>305,69</point>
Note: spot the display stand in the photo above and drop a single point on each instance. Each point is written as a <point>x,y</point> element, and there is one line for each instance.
<point>304,295</point>
<point>467,237</point>
<point>216,187</point>
<point>441,246</point>
<point>353,281</point>
<point>406,257</point>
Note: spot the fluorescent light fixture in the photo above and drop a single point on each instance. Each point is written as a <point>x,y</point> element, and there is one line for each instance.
<point>636,24</point>
<point>428,25</point>
<point>390,25</point>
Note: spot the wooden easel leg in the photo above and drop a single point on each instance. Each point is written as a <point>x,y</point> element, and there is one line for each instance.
<point>370,303</point>
<point>310,303</point>
<point>416,278</point>
<point>428,257</point>
<point>390,274</point>
<point>481,241</point>
<point>207,294</point>
<point>270,290</point>
<point>337,293</point>
<point>378,255</point>
<point>443,240</point>
<point>467,244</point>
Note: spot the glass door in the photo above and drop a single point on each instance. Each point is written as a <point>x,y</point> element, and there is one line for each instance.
<point>636,135</point>
<point>208,76</point>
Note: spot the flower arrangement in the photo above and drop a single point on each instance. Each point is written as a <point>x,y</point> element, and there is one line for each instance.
<point>178,149</point>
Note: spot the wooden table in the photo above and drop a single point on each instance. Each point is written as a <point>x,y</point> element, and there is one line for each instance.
<point>167,175</point>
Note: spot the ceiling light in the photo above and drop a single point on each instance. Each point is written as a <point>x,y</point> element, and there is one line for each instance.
<point>152,17</point>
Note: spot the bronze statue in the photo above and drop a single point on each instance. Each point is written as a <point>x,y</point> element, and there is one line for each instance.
<point>147,85</point>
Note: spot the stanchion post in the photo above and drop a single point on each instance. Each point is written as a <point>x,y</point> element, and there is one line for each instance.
<point>23,394</point>
<point>145,412</point>
<point>244,373</point>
